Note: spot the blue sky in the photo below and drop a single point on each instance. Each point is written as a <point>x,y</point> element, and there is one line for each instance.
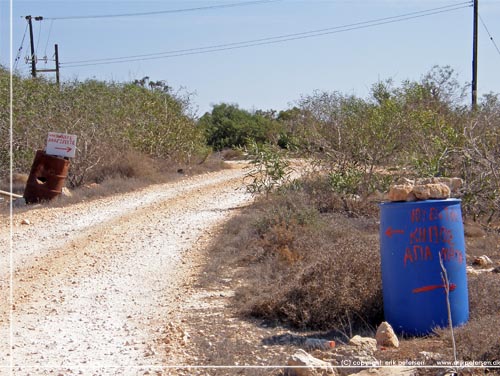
<point>260,77</point>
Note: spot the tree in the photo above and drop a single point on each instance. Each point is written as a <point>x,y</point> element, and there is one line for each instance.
<point>228,126</point>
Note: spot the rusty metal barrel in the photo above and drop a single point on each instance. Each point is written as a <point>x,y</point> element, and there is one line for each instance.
<point>47,177</point>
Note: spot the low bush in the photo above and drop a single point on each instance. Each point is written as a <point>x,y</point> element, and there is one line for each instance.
<point>309,269</point>
<point>478,339</point>
<point>270,169</point>
<point>329,283</point>
<point>123,128</point>
<point>128,164</point>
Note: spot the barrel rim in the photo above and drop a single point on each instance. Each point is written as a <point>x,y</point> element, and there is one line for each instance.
<point>450,200</point>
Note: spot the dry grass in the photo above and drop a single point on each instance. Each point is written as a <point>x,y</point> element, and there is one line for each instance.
<point>310,260</point>
<point>232,154</point>
<point>329,283</point>
<point>479,339</point>
<point>18,183</point>
<point>305,265</point>
<point>130,172</point>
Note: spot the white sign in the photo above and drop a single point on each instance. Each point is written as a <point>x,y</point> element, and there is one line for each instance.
<point>61,144</point>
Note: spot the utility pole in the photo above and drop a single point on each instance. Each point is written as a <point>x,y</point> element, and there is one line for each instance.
<point>33,55</point>
<point>56,70</point>
<point>32,44</point>
<point>56,53</point>
<point>474,57</point>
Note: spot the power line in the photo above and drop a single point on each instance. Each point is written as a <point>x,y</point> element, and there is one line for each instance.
<point>281,38</point>
<point>306,33</point>
<point>231,5</point>
<point>271,40</point>
<point>48,37</point>
<point>39,33</point>
<point>18,56</point>
<point>491,38</point>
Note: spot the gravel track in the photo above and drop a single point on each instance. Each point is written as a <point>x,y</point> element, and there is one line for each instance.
<point>95,284</point>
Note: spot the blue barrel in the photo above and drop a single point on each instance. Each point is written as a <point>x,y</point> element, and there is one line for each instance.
<point>412,234</point>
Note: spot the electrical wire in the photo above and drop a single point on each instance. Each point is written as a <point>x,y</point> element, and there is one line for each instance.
<point>269,40</point>
<point>48,37</point>
<point>489,34</point>
<point>231,5</point>
<point>18,56</point>
<point>306,33</point>
<point>38,39</point>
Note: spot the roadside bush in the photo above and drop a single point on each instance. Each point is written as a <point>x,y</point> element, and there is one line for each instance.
<point>269,168</point>
<point>421,128</point>
<point>111,120</point>
<point>126,165</point>
<point>412,124</point>
<point>333,286</point>
<point>232,154</point>
<point>477,341</point>
<point>479,161</point>
<point>309,269</point>
<point>345,181</point>
<point>326,196</point>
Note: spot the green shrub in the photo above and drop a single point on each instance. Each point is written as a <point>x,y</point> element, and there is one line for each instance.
<point>421,128</point>
<point>111,120</point>
<point>269,169</point>
<point>228,126</point>
<point>346,181</point>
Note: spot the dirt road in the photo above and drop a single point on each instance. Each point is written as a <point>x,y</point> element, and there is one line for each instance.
<point>95,284</point>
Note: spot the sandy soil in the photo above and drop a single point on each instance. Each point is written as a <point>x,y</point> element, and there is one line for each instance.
<point>97,286</point>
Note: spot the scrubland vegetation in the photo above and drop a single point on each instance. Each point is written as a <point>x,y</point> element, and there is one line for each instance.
<point>307,252</point>
<point>126,130</point>
<point>422,128</point>
<point>417,128</point>
<point>312,244</point>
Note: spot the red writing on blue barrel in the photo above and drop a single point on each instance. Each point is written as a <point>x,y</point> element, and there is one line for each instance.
<point>420,215</point>
<point>422,238</point>
<point>423,253</point>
